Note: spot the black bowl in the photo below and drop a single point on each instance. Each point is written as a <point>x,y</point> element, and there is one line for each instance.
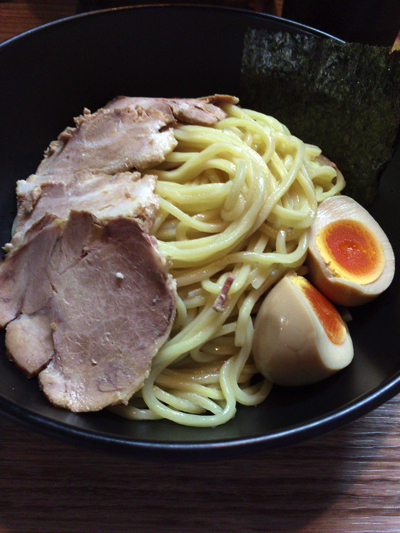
<point>48,76</point>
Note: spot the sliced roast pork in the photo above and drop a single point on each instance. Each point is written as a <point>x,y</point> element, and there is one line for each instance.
<point>22,271</point>
<point>110,140</point>
<point>204,111</point>
<point>125,194</point>
<point>29,341</point>
<point>87,305</point>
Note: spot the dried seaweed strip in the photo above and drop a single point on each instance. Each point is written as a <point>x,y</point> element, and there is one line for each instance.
<point>342,97</point>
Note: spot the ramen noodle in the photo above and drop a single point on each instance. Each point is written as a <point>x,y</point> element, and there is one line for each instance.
<point>237,200</point>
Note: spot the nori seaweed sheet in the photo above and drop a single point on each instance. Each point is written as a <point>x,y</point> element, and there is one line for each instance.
<point>344,98</point>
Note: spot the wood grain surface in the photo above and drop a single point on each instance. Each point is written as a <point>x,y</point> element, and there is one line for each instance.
<point>345,481</point>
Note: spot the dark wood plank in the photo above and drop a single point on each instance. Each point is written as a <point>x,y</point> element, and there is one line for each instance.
<point>18,16</point>
<point>344,481</point>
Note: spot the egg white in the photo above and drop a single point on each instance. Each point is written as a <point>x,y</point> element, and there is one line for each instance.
<point>290,345</point>
<point>337,289</point>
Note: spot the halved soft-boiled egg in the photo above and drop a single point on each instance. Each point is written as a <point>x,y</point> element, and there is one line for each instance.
<point>350,258</point>
<point>299,336</point>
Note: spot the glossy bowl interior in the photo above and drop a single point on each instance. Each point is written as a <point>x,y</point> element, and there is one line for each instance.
<point>48,76</point>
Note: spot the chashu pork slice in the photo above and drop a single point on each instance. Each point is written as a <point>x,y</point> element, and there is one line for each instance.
<point>204,111</point>
<point>110,141</point>
<point>87,304</point>
<point>126,193</point>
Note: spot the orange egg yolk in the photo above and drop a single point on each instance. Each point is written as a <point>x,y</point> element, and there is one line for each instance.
<point>351,251</point>
<point>326,313</point>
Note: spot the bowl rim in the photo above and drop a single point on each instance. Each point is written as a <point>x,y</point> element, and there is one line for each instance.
<point>167,5</point>
<point>209,449</point>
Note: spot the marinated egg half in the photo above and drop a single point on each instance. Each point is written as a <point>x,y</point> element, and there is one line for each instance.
<point>350,258</point>
<point>299,336</point>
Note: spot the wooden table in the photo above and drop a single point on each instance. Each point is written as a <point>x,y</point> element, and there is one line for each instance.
<point>345,481</point>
